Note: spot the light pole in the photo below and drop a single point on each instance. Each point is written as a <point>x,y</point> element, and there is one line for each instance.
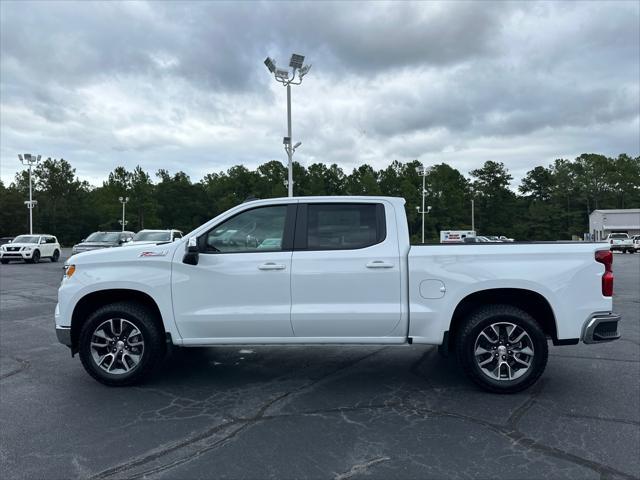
<point>473,215</point>
<point>30,160</point>
<point>282,75</point>
<point>423,173</point>
<point>423,211</point>
<point>123,201</point>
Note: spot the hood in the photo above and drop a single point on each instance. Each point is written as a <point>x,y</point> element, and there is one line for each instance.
<point>21,244</point>
<point>132,253</point>
<point>95,244</point>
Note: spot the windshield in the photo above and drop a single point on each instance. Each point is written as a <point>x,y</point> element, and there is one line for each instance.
<point>26,239</point>
<point>152,236</point>
<point>619,235</point>
<point>103,237</point>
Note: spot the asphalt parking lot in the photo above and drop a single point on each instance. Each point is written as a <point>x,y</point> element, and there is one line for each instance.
<point>319,412</point>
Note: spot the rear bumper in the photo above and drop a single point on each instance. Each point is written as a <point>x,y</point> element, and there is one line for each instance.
<point>601,327</point>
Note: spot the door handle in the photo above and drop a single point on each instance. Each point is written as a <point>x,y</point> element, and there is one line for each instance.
<point>272,266</point>
<point>379,264</point>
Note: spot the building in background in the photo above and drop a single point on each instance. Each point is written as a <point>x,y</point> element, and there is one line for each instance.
<point>604,222</point>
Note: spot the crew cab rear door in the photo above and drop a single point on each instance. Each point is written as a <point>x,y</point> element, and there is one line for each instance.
<point>345,280</point>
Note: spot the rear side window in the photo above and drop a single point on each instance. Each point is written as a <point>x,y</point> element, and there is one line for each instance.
<point>344,226</point>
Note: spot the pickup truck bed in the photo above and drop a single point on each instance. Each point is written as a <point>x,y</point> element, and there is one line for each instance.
<point>334,270</point>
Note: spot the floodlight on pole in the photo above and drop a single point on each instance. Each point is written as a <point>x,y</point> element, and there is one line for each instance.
<point>271,64</point>
<point>123,201</point>
<point>30,160</point>
<point>288,78</point>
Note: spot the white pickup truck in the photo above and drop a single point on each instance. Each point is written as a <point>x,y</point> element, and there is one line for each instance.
<point>620,242</point>
<point>334,270</point>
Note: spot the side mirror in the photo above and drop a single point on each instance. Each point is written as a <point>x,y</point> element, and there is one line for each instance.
<point>192,253</point>
<point>42,240</point>
<point>83,240</point>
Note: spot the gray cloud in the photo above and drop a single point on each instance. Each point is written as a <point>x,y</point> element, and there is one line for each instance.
<point>181,85</point>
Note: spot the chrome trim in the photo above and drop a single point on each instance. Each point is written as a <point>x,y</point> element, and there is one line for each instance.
<point>593,321</point>
<point>64,335</point>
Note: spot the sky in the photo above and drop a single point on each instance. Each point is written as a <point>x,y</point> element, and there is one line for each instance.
<point>182,86</point>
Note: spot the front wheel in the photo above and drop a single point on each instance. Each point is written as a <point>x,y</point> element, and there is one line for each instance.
<point>502,349</point>
<point>35,258</point>
<point>121,343</point>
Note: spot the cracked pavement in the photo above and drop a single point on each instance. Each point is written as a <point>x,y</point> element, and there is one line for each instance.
<point>310,412</point>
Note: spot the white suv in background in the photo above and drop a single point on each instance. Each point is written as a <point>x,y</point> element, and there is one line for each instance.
<point>31,248</point>
<point>636,242</point>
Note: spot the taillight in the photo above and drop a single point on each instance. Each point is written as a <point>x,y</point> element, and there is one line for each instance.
<point>606,258</point>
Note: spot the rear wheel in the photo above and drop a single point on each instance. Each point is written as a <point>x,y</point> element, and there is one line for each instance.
<point>56,256</point>
<point>502,349</point>
<point>121,343</point>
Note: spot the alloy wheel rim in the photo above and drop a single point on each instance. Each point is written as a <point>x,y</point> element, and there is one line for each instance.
<point>503,351</point>
<point>117,346</point>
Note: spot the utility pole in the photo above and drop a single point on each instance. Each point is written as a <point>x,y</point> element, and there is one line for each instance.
<point>30,160</point>
<point>282,75</point>
<point>124,201</point>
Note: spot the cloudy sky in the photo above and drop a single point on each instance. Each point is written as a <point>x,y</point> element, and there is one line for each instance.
<point>182,85</point>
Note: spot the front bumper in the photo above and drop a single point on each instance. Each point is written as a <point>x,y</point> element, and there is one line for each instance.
<point>601,327</point>
<point>64,335</point>
<point>21,255</point>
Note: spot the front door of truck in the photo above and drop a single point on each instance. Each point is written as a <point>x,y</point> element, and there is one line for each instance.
<point>240,288</point>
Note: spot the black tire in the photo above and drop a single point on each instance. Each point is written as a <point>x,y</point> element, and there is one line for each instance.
<point>144,320</point>
<point>35,258</point>
<point>4,262</point>
<point>483,318</point>
<point>56,256</point>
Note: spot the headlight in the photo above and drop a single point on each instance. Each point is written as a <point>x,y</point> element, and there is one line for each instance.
<point>27,248</point>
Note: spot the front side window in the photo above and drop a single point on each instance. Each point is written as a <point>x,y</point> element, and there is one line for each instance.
<point>256,230</point>
<point>344,226</point>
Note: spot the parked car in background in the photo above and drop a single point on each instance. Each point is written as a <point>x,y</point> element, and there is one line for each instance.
<point>5,240</point>
<point>155,236</point>
<point>99,240</point>
<point>476,239</point>
<point>636,243</point>
<point>620,242</point>
<point>493,238</point>
<point>335,270</point>
<point>505,239</point>
<point>31,248</point>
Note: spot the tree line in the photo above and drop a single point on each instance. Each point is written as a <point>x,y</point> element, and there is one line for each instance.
<point>550,203</point>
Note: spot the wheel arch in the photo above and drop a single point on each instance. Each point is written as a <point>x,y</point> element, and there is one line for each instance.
<point>530,301</point>
<point>99,298</point>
